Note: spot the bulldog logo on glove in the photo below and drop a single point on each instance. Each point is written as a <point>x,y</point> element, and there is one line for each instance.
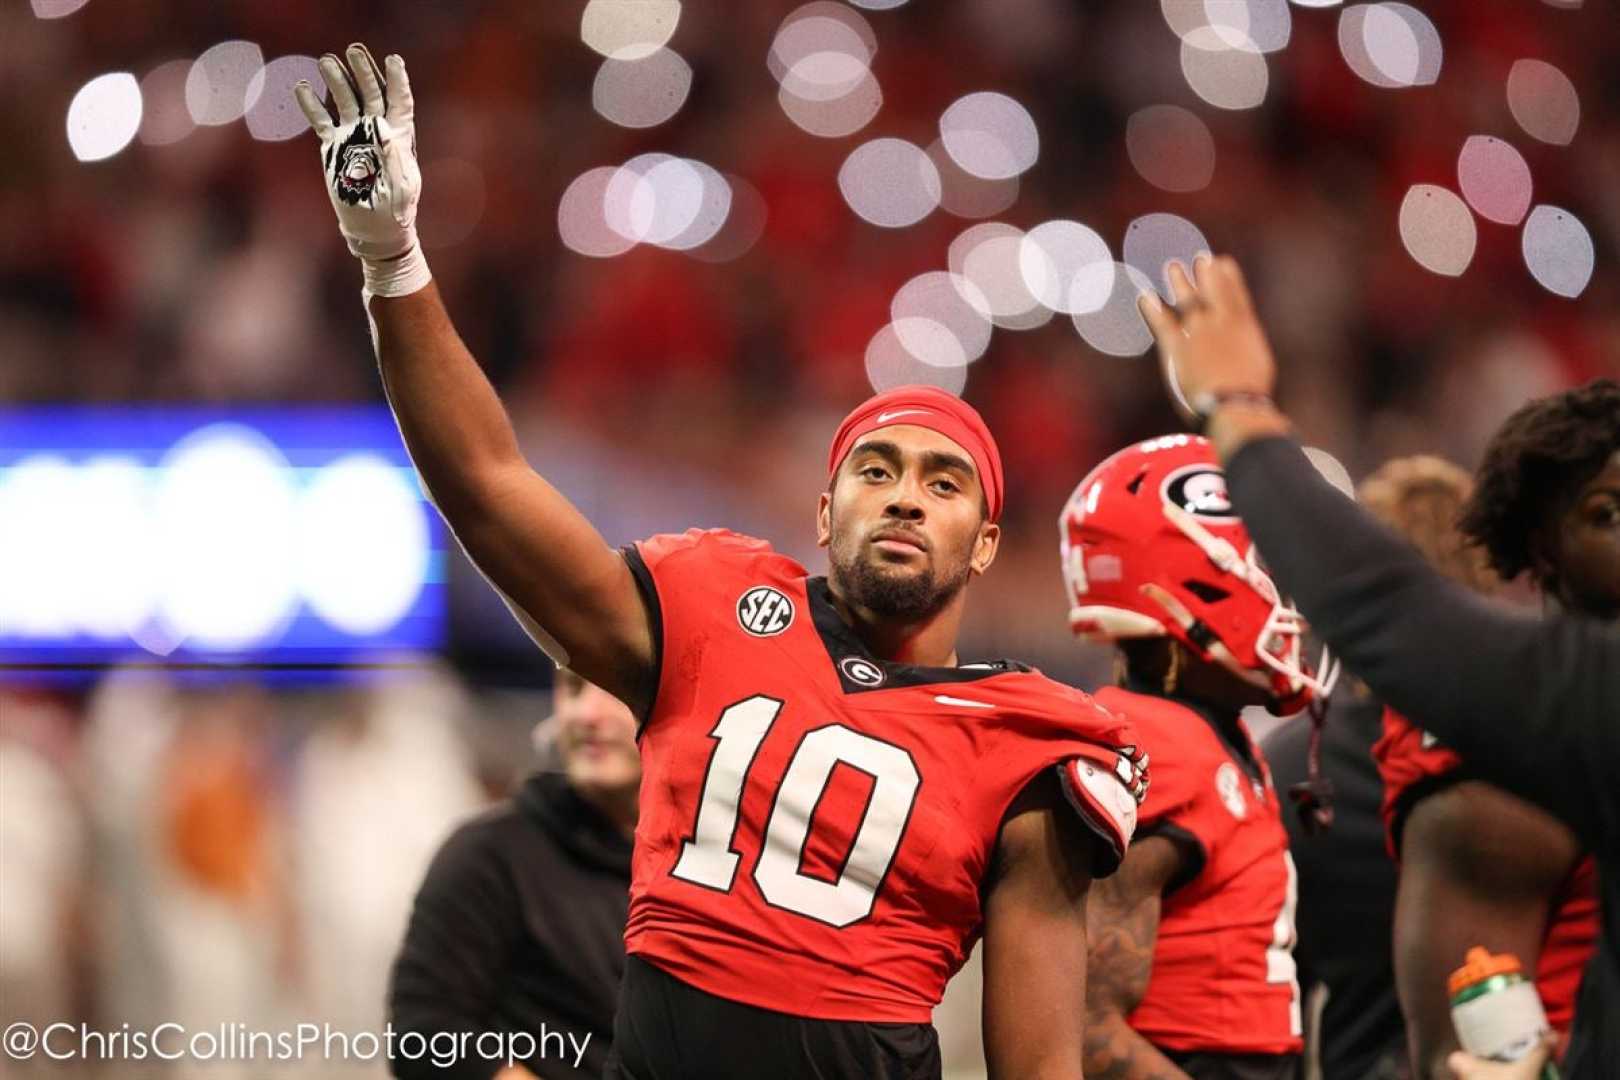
<point>354,176</point>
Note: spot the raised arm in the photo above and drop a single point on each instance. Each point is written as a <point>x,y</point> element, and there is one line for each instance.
<point>1122,927</point>
<point>1502,689</point>
<point>573,593</point>
<point>1035,939</point>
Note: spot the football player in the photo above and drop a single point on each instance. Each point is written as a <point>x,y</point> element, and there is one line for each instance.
<point>832,809</point>
<point>1480,866</point>
<point>1192,972</point>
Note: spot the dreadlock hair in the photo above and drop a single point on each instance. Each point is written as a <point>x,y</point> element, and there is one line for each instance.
<point>1534,466</point>
<point>1421,498</point>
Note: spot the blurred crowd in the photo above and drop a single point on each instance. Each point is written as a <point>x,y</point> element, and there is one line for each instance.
<point>664,391</point>
<point>224,854</point>
<point>287,829</point>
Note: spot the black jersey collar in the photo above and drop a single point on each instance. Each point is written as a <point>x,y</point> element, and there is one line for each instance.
<point>859,671</point>
<point>1223,722</point>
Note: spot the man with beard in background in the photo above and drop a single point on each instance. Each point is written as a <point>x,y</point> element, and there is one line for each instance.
<point>518,928</point>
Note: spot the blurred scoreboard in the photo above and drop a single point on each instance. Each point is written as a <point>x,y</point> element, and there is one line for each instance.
<point>286,538</point>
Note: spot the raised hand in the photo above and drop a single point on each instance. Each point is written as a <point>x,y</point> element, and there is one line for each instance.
<point>1212,348</point>
<point>369,158</point>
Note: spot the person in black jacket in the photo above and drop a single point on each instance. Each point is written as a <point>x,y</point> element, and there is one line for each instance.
<point>1530,703</point>
<point>517,934</point>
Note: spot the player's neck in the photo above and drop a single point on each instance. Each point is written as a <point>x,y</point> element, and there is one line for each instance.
<point>928,642</point>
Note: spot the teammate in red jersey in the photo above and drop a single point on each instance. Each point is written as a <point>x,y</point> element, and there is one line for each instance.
<point>832,809</point>
<point>1480,866</point>
<point>1192,972</point>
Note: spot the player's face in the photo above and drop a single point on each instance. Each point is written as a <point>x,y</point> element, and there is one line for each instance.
<point>596,735</point>
<point>905,524</point>
<point>1586,546</point>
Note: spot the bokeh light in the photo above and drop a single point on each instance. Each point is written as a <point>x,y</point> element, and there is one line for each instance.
<point>877,5</point>
<point>1438,229</point>
<point>702,223</point>
<point>822,57</point>
<point>629,29</point>
<point>57,9</point>
<point>1267,23</point>
<point>1152,241</point>
<point>949,302</point>
<point>642,93</point>
<point>890,182</point>
<point>1171,148</point>
<point>890,364</point>
<point>1495,179</point>
<point>218,83</point>
<point>225,533</point>
<point>744,224</point>
<point>1558,251</point>
<point>104,116</point>
<point>363,544</point>
<point>1332,470</point>
<point>836,117</point>
<point>987,256</point>
<point>822,26</point>
<point>1117,328</point>
<point>273,114</point>
<point>1066,266</point>
<point>1544,102</point>
<point>1224,67</point>
<point>164,116</point>
<point>582,220</point>
<point>990,136</point>
<point>1391,45</point>
<point>968,196</point>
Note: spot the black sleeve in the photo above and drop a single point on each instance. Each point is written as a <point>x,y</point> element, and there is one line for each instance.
<point>449,972</point>
<point>1532,704</point>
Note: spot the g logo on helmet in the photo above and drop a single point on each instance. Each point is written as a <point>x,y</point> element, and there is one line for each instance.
<point>1201,491</point>
<point>764,611</point>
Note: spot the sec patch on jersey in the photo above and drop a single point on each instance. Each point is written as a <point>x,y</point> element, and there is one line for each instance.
<point>764,611</point>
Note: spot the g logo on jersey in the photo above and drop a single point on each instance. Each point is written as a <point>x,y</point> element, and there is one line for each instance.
<point>1229,786</point>
<point>764,611</point>
<point>1201,491</point>
<point>859,670</point>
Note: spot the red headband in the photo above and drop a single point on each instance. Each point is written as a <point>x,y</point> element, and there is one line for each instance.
<point>936,410</point>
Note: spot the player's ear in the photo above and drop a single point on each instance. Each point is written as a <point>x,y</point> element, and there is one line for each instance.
<point>824,519</point>
<point>985,547</point>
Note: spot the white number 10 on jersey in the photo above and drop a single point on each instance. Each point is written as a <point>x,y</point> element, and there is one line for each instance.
<point>710,857</point>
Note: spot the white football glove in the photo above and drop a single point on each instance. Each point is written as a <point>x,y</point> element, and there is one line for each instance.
<point>372,175</point>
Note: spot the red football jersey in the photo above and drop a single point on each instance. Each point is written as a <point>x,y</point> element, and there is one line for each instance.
<point>1223,965</point>
<point>1413,764</point>
<point>816,823</point>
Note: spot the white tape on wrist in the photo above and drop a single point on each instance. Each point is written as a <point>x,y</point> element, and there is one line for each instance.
<point>397,277</point>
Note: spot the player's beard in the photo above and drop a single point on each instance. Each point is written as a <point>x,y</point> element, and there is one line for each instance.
<point>893,592</point>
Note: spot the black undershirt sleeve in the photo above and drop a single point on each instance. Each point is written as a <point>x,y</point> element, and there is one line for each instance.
<point>1532,704</point>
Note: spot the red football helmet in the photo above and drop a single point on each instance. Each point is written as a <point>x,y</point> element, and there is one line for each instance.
<point>1151,546</point>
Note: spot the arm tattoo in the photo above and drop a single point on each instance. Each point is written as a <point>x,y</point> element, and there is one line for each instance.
<point>1122,935</point>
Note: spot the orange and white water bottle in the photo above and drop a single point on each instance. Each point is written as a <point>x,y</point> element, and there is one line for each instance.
<point>1496,1010</point>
